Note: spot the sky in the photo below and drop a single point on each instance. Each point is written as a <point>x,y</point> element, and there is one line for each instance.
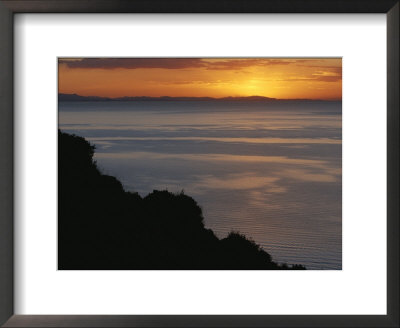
<point>282,78</point>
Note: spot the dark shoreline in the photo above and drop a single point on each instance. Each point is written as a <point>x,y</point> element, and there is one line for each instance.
<point>75,97</point>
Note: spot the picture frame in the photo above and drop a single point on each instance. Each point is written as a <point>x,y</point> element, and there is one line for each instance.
<point>10,7</point>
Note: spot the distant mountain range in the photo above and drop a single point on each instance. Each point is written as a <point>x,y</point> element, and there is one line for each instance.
<point>75,97</point>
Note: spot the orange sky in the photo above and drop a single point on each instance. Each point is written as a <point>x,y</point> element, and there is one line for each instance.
<point>316,78</point>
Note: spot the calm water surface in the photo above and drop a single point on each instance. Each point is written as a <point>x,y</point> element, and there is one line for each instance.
<point>269,170</point>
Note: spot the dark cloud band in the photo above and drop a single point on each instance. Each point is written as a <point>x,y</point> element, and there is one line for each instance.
<point>175,63</point>
<point>133,63</point>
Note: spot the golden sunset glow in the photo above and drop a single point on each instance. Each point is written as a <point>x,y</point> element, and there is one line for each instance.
<point>314,78</point>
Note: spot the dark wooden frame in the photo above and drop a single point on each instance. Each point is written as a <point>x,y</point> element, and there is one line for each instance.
<point>7,10</point>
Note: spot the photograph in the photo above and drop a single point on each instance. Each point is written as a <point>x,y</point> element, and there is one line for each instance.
<point>211,163</point>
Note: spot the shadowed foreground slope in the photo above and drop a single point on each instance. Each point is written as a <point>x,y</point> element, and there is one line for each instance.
<point>102,226</point>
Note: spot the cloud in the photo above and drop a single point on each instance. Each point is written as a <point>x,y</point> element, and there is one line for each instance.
<point>175,63</point>
<point>322,78</point>
<point>133,63</point>
<point>323,74</point>
<point>229,64</point>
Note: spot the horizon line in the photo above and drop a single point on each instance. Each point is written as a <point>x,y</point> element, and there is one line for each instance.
<point>200,97</point>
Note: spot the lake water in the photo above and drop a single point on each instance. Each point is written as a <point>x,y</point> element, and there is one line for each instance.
<point>270,170</point>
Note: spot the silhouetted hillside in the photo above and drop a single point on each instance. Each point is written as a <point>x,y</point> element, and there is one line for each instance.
<point>75,97</point>
<point>102,226</point>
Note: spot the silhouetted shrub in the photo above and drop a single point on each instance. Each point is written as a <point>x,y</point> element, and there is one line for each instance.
<point>102,226</point>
